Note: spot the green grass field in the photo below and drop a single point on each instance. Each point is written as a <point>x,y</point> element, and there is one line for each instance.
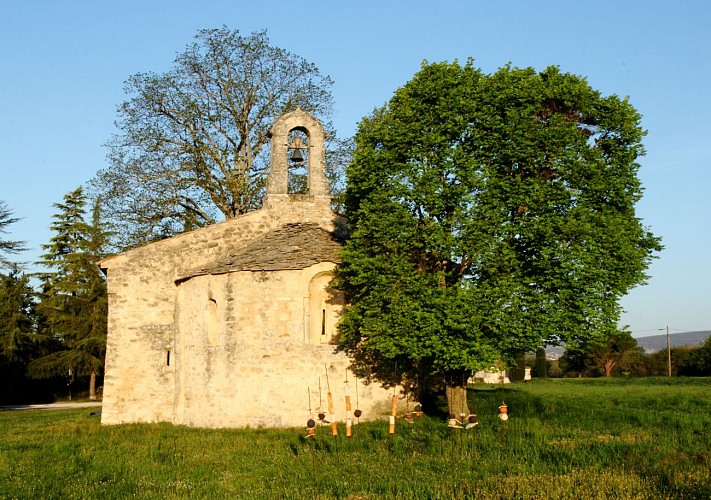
<point>581,439</point>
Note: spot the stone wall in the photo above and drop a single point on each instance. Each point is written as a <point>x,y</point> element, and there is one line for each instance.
<point>159,366</point>
<point>264,362</point>
<point>141,330</point>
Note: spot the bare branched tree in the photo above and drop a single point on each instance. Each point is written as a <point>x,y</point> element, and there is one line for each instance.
<point>191,143</point>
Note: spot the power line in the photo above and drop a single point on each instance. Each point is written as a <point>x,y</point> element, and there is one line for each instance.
<point>676,330</point>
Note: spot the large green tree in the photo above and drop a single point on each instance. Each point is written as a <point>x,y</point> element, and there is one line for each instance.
<point>489,214</point>
<point>73,302</point>
<point>191,143</point>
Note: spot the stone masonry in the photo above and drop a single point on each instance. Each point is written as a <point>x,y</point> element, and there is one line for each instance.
<point>231,325</point>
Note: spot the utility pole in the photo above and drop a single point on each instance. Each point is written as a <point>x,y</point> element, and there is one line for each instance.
<point>668,353</point>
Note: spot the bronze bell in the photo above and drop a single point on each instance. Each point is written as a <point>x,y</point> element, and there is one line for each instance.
<point>296,156</point>
<point>297,146</point>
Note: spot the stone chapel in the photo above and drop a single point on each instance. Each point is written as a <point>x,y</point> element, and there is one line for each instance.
<point>232,325</point>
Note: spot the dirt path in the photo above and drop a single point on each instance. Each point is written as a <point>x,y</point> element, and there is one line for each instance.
<point>52,406</point>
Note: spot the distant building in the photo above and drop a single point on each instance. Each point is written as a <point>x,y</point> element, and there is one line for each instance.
<point>231,325</point>
<point>497,377</point>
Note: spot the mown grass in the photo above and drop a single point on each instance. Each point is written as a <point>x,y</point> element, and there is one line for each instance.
<point>642,438</point>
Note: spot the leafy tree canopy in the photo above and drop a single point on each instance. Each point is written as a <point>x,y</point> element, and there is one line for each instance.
<point>190,147</point>
<point>490,214</point>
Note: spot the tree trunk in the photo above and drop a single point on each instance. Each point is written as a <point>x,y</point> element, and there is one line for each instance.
<point>456,388</point>
<point>426,395</point>
<point>541,363</point>
<point>92,385</point>
<point>70,379</point>
<point>609,365</point>
<point>519,372</point>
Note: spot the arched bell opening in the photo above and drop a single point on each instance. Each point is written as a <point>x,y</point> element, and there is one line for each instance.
<point>298,161</point>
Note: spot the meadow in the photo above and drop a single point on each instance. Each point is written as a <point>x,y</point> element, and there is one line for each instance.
<point>583,438</point>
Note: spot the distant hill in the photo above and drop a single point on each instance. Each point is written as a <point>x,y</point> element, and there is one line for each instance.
<point>554,351</point>
<point>652,343</point>
<point>656,343</point>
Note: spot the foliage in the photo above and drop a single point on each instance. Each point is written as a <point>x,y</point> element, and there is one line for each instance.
<point>618,438</point>
<point>19,320</point>
<point>489,214</point>
<point>636,364</point>
<point>191,142</point>
<point>600,357</point>
<point>17,342</point>
<point>699,361</point>
<point>16,312</point>
<point>8,246</point>
<point>73,301</point>
<point>687,361</point>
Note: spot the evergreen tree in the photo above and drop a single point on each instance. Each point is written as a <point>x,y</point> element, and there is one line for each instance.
<point>73,301</point>
<point>17,342</point>
<point>8,246</point>
<point>16,313</point>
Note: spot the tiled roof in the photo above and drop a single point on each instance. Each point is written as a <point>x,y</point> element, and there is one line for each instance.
<point>292,246</point>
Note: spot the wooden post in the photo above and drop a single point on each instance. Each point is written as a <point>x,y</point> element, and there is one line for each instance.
<point>668,353</point>
<point>393,414</point>
<point>348,411</point>
<point>334,426</point>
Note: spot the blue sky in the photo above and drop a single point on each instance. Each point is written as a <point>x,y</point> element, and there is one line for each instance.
<point>63,64</point>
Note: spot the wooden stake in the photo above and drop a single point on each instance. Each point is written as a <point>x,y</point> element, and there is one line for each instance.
<point>349,421</point>
<point>310,423</point>
<point>393,408</point>
<point>334,426</point>
<point>393,414</point>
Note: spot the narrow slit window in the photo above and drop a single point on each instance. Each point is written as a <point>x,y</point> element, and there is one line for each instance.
<point>167,358</point>
<point>211,322</point>
<point>325,306</point>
